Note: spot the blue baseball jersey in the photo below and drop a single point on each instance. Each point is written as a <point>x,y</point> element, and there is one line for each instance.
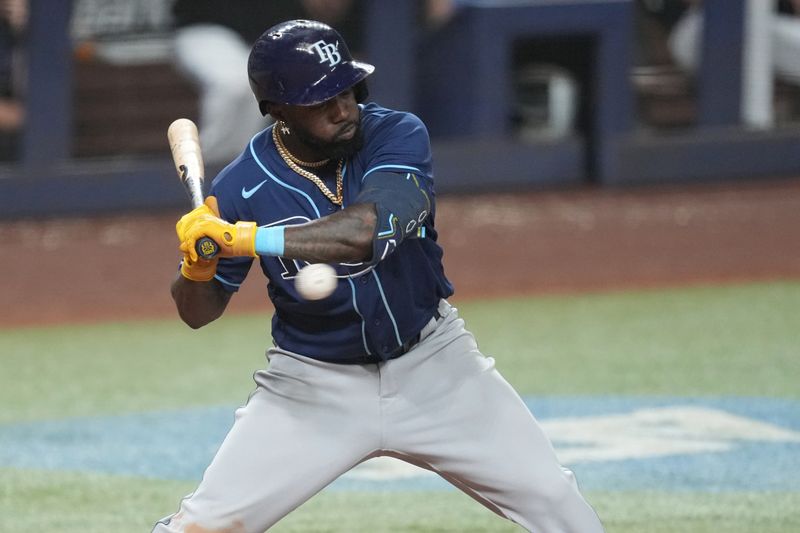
<point>378,306</point>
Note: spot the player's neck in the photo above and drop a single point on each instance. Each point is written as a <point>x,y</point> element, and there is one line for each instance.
<point>297,150</point>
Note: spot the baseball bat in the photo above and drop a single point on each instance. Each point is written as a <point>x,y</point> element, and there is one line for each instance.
<point>184,142</point>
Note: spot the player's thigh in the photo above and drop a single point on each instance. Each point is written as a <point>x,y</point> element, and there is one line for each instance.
<point>290,440</point>
<point>469,424</point>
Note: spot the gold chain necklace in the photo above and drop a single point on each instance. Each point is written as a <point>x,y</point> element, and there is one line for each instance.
<point>316,164</point>
<point>294,164</point>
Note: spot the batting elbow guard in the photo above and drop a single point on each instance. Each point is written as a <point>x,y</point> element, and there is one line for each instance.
<point>402,204</point>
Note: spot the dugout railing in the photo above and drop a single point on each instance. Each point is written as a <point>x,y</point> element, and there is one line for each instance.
<point>480,155</point>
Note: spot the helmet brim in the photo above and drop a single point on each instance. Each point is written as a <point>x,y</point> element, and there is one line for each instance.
<point>343,77</point>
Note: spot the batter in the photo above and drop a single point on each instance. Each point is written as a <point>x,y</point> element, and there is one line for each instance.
<point>382,366</point>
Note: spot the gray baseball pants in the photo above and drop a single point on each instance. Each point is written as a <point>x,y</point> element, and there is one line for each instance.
<point>442,406</point>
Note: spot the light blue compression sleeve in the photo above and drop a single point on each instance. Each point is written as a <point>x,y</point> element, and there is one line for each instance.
<point>269,241</point>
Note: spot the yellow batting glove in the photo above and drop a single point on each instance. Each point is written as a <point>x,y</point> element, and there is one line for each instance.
<point>208,208</point>
<point>197,269</point>
<point>200,270</point>
<point>234,240</point>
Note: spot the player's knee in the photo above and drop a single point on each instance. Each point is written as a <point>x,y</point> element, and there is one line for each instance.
<point>556,492</point>
<point>570,477</point>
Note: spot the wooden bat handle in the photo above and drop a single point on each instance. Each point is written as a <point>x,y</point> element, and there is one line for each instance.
<point>184,143</point>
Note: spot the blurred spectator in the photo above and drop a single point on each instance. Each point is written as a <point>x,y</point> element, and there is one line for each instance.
<point>212,43</point>
<point>13,22</point>
<point>654,20</point>
<point>772,48</point>
<point>438,12</point>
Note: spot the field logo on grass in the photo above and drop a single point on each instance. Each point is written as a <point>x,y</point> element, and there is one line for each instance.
<point>657,432</point>
<point>641,434</point>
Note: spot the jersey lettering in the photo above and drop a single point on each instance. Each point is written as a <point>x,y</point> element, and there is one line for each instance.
<point>290,267</point>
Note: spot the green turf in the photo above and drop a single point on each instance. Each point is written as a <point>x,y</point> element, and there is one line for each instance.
<point>620,512</point>
<point>86,503</point>
<point>122,367</point>
<point>739,340</point>
<point>725,340</point>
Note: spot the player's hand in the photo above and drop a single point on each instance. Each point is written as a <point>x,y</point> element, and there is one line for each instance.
<point>209,207</point>
<point>199,270</point>
<point>234,240</point>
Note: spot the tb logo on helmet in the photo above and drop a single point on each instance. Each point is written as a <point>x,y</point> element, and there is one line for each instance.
<point>328,52</point>
<point>303,62</point>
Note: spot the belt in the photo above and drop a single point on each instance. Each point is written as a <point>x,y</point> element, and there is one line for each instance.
<point>394,354</point>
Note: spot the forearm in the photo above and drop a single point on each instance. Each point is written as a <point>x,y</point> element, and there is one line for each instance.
<point>345,236</point>
<point>199,302</point>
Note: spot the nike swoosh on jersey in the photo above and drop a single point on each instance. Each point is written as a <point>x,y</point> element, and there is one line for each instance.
<point>247,194</point>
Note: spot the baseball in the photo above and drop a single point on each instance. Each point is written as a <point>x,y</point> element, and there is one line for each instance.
<point>316,281</point>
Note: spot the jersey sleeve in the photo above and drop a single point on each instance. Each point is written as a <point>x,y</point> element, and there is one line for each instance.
<point>398,182</point>
<point>399,143</point>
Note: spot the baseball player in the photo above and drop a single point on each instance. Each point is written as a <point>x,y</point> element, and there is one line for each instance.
<point>382,366</point>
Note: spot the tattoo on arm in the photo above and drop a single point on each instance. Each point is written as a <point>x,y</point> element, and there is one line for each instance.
<point>345,236</point>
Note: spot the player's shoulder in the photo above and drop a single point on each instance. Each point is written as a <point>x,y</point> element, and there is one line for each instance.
<point>243,169</point>
<point>241,178</point>
<point>377,119</point>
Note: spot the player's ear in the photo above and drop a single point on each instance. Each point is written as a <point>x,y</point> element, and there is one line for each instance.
<point>273,110</point>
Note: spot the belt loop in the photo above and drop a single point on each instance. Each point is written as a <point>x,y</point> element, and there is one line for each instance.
<point>444,307</point>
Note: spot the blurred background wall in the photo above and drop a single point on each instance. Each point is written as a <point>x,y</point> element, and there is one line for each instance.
<point>516,93</point>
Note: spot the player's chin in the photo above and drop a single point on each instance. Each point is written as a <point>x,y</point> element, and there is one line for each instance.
<point>347,133</point>
<point>346,143</point>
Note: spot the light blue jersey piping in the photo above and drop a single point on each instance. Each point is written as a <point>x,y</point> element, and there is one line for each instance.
<point>388,310</point>
<point>395,167</point>
<point>375,273</point>
<point>363,322</point>
<point>316,211</point>
<point>226,282</point>
<point>377,279</point>
<point>279,182</point>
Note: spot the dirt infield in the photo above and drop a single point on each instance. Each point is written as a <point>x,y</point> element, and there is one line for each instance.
<point>86,269</point>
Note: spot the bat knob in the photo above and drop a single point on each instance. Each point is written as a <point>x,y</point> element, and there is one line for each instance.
<point>206,248</point>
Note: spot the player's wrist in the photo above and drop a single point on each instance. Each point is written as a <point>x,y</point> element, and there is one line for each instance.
<point>244,243</point>
<point>270,241</point>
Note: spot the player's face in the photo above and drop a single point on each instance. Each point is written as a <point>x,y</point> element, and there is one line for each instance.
<point>331,129</point>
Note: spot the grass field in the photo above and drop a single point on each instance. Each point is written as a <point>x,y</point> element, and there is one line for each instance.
<point>722,341</point>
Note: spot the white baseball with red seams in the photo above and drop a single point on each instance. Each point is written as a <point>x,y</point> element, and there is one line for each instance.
<point>316,281</point>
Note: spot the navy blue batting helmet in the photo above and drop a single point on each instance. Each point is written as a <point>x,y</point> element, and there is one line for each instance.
<point>303,62</point>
